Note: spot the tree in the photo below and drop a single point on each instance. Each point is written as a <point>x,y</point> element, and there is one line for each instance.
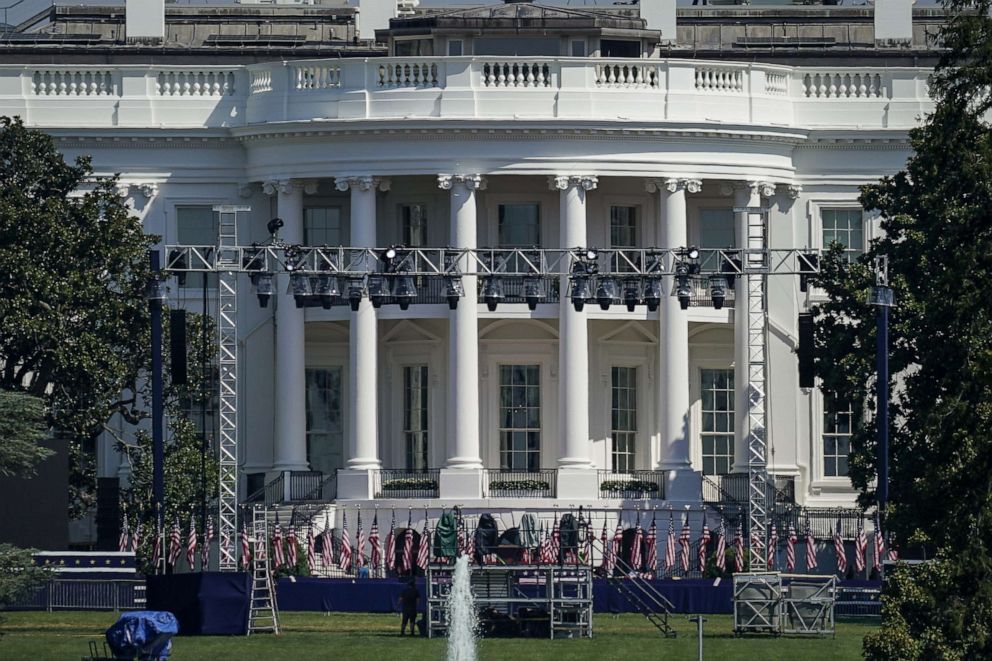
<point>23,425</point>
<point>74,325</point>
<point>937,236</point>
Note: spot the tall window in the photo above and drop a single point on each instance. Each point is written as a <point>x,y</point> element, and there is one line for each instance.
<point>519,225</point>
<point>623,427</point>
<point>846,227</point>
<point>322,226</point>
<point>413,225</point>
<point>415,416</point>
<point>717,392</point>
<point>716,229</point>
<point>196,226</point>
<point>325,429</point>
<point>623,227</point>
<point>520,417</point>
<point>838,425</point>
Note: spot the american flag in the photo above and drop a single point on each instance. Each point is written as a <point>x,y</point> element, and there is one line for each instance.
<point>860,548</point>
<point>879,546</point>
<point>547,551</point>
<point>291,545</point>
<point>374,541</point>
<point>424,550</point>
<point>555,541</point>
<point>175,542</point>
<point>469,543</point>
<point>790,549</point>
<point>123,540</point>
<point>810,548</point>
<point>191,544</point>
<point>721,546</point>
<point>704,540</point>
<point>893,553</point>
<point>137,537</point>
<point>311,550</point>
<point>636,561</point>
<point>685,540</point>
<point>157,549</point>
<point>327,543</point>
<point>617,548</point>
<point>604,539</point>
<point>739,549</point>
<point>670,544</point>
<point>344,561</point>
<point>391,544</point>
<point>360,551</point>
<point>245,546</point>
<point>651,549</point>
<point>278,557</point>
<point>585,557</point>
<point>839,549</point>
<point>408,546</point>
<point>208,536</point>
<point>772,547</point>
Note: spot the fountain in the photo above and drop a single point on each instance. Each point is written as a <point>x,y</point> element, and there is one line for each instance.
<point>462,622</point>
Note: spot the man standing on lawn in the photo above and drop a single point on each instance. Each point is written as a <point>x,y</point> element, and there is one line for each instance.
<point>409,600</point>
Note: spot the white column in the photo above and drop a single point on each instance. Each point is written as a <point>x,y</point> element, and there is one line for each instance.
<point>461,477</point>
<point>748,194</point>
<point>682,484</point>
<point>290,446</point>
<point>363,409</point>
<point>575,477</point>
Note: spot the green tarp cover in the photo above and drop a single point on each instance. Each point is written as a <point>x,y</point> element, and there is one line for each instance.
<point>446,536</point>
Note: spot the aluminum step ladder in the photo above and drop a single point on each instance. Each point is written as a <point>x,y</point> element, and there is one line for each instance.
<point>263,617</point>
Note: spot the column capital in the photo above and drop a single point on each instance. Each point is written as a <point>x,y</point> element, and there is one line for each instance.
<point>763,188</point>
<point>794,191</point>
<point>752,186</point>
<point>287,186</point>
<point>246,189</point>
<point>673,184</point>
<point>469,181</point>
<point>362,182</point>
<point>565,181</point>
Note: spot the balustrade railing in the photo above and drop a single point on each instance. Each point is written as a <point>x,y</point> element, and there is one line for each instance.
<point>632,485</point>
<point>516,74</point>
<point>626,75</point>
<point>196,83</point>
<point>501,483</point>
<point>73,83</point>
<point>316,76</point>
<point>719,79</point>
<point>408,74</point>
<point>843,85</point>
<point>406,483</point>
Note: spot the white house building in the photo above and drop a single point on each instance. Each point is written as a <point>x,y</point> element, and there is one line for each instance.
<point>507,125</point>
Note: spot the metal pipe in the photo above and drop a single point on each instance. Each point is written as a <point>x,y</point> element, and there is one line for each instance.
<point>882,365</point>
<point>155,298</point>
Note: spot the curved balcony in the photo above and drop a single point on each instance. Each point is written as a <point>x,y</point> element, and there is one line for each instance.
<point>621,91</point>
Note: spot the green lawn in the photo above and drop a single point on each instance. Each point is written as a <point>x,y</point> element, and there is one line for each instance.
<point>308,636</point>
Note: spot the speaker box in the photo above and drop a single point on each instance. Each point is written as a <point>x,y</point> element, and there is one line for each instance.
<point>177,346</point>
<point>805,351</point>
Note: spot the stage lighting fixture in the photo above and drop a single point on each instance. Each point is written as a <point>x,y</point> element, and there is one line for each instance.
<point>404,291</point>
<point>299,287</point>
<point>389,253</point>
<point>177,260</point>
<point>326,287</point>
<point>580,291</point>
<point>652,293</point>
<point>273,226</point>
<point>606,291</point>
<point>732,267</point>
<point>454,290</point>
<point>692,252</point>
<point>378,290</point>
<point>492,293</point>
<point>631,293</point>
<point>809,265</point>
<point>718,291</point>
<point>591,255</point>
<point>355,293</point>
<point>253,259</point>
<point>264,286</point>
<point>683,291</point>
<point>532,292</point>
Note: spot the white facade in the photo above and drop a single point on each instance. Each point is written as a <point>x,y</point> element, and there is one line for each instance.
<point>383,151</point>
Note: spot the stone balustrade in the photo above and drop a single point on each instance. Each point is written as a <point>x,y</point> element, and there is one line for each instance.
<point>608,90</point>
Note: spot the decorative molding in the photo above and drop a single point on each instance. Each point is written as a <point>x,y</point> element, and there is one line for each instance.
<point>469,181</point>
<point>287,186</point>
<point>763,188</point>
<point>363,182</point>
<point>246,189</point>
<point>587,182</point>
<point>148,189</point>
<point>673,184</point>
<point>124,189</point>
<point>794,190</point>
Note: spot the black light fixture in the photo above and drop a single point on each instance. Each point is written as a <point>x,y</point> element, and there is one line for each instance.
<point>326,287</point>
<point>273,226</point>
<point>492,292</point>
<point>177,262</point>
<point>731,266</point>
<point>532,292</point>
<point>581,291</point>
<point>718,291</point>
<point>809,265</point>
<point>583,270</point>
<point>263,284</point>
<point>404,291</point>
<point>453,290</point>
<point>631,293</point>
<point>683,290</point>
<point>378,290</point>
<point>606,291</point>
<point>299,286</point>
<point>652,293</point>
<point>356,289</point>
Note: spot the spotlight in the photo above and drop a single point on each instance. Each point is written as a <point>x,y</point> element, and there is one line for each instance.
<point>492,293</point>
<point>454,290</point>
<point>631,293</point>
<point>378,291</point>
<point>809,265</point>
<point>692,252</point>
<point>404,291</point>
<point>389,254</point>
<point>606,291</point>
<point>532,292</point>
<point>580,291</point>
<point>327,289</point>
<point>262,284</point>
<point>177,260</point>
<point>273,226</point>
<point>652,293</point>
<point>591,255</point>
<point>299,286</point>
<point>682,289</point>
<point>355,293</point>
<point>718,291</point>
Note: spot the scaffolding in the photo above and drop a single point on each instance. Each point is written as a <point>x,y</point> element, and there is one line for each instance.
<point>537,601</point>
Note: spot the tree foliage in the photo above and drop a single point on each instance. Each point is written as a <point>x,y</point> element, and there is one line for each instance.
<point>938,238</point>
<point>23,425</point>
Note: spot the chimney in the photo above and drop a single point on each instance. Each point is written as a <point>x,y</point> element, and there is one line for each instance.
<point>144,21</point>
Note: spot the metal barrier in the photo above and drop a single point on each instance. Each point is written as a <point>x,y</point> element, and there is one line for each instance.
<point>404,483</point>
<point>858,602</point>
<point>520,484</point>
<point>85,594</point>
<point>632,485</point>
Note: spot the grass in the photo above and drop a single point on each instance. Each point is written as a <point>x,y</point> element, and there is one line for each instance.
<point>64,636</point>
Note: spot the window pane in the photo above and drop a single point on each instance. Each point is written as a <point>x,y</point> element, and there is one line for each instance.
<point>519,225</point>
<point>519,416</point>
<point>717,428</point>
<point>415,416</point>
<point>623,227</point>
<point>846,227</point>
<point>838,422</point>
<point>413,220</point>
<point>624,417</point>
<point>716,228</point>
<point>196,226</point>
<point>322,226</point>
<point>325,435</point>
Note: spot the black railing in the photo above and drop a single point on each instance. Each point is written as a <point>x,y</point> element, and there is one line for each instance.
<point>504,483</point>
<point>822,520</point>
<point>632,484</point>
<point>733,489</point>
<point>513,289</point>
<point>303,486</point>
<point>406,483</point>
